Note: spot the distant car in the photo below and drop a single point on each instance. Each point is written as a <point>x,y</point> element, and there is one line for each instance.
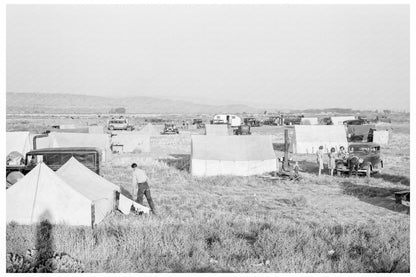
<point>119,124</point>
<point>242,130</point>
<point>252,122</point>
<point>363,158</point>
<point>170,129</point>
<point>272,120</point>
<point>326,121</point>
<point>54,158</point>
<point>198,122</point>
<point>292,120</point>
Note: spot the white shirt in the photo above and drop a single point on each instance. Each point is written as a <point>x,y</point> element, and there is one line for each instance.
<point>139,176</point>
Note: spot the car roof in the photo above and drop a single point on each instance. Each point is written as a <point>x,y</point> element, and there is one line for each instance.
<point>64,149</point>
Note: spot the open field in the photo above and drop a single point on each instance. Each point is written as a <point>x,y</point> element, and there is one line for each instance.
<point>240,224</point>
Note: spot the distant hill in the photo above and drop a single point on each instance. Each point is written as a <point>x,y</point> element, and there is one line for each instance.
<point>72,103</point>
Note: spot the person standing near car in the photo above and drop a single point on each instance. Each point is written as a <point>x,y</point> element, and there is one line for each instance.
<point>331,161</point>
<point>320,159</point>
<point>140,182</point>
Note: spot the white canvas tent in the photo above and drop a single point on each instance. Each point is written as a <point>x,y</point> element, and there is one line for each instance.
<point>339,120</point>
<point>231,155</point>
<point>101,141</point>
<point>216,129</point>
<point>131,141</point>
<point>381,137</point>
<point>309,121</point>
<point>41,195</point>
<point>17,141</point>
<point>307,138</point>
<point>95,187</point>
<point>149,130</point>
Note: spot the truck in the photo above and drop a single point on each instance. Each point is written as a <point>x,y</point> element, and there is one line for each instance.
<point>54,158</point>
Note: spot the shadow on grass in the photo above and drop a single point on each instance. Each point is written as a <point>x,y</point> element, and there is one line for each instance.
<point>179,161</point>
<point>393,178</point>
<point>377,196</point>
<point>309,167</point>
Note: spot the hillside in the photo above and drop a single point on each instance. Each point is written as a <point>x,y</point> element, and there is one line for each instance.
<point>72,103</point>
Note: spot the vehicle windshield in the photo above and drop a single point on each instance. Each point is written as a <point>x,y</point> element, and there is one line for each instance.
<point>118,121</point>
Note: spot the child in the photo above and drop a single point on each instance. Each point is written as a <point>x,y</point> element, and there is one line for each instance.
<point>331,162</point>
<point>320,159</point>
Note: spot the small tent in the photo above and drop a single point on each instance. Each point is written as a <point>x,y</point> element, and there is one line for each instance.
<point>339,120</point>
<point>309,121</point>
<point>231,155</point>
<point>381,137</point>
<point>41,195</point>
<point>149,130</point>
<point>216,129</point>
<point>100,141</point>
<point>131,141</point>
<point>17,141</point>
<point>307,138</point>
<point>95,187</point>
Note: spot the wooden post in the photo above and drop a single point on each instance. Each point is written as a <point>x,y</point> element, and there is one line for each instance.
<point>286,161</point>
<point>92,215</point>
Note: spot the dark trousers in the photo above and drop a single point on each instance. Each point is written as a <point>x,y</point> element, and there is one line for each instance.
<point>144,189</point>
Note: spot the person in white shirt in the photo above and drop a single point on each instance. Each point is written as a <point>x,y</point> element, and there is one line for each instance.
<point>140,182</point>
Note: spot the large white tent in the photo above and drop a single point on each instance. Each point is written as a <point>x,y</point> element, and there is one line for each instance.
<point>216,129</point>
<point>41,195</point>
<point>339,120</point>
<point>131,141</point>
<point>17,141</point>
<point>307,138</point>
<point>231,155</point>
<point>309,121</point>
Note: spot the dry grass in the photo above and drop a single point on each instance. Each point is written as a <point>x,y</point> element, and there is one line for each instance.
<point>245,224</point>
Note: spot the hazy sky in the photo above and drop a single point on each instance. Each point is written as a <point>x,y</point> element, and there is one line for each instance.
<point>283,56</point>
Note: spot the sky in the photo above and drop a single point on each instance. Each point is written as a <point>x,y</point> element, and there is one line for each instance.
<point>272,56</point>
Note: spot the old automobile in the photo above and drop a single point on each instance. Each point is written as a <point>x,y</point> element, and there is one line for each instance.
<point>363,158</point>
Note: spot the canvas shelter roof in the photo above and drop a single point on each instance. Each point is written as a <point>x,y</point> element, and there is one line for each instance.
<point>41,194</point>
<point>309,121</point>
<point>307,138</point>
<point>216,129</point>
<point>231,155</point>
<point>339,120</point>
<point>131,141</point>
<point>17,141</point>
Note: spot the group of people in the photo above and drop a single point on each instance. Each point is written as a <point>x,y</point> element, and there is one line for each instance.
<point>332,157</point>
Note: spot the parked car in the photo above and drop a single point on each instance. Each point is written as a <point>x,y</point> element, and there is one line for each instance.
<point>272,120</point>
<point>242,130</point>
<point>363,158</point>
<point>252,122</point>
<point>198,122</point>
<point>292,119</point>
<point>170,129</point>
<point>119,124</point>
<point>55,158</point>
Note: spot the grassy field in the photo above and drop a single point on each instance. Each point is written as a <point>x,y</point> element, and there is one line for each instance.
<point>243,224</point>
